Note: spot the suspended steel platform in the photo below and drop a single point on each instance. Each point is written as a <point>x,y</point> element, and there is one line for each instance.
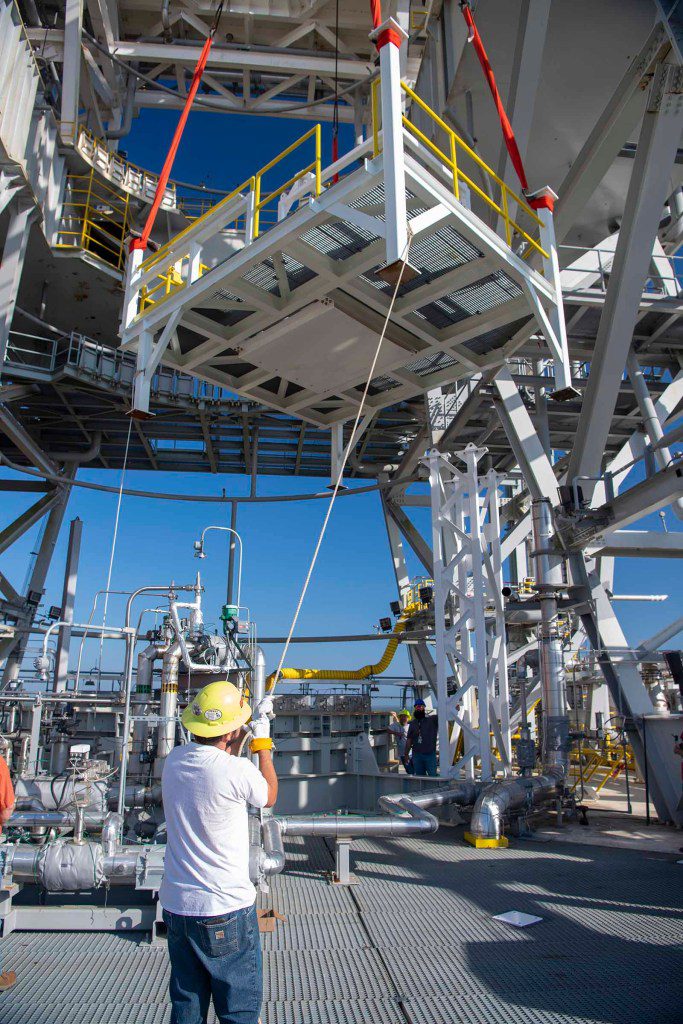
<point>292,319</point>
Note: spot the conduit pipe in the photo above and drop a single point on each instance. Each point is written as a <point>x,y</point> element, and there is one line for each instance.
<point>333,673</point>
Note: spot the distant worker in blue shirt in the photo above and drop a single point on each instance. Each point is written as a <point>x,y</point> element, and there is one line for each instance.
<point>421,741</point>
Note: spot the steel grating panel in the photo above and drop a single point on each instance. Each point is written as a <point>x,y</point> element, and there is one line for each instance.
<point>337,1011</point>
<point>324,974</point>
<point>316,932</point>
<point>611,933</point>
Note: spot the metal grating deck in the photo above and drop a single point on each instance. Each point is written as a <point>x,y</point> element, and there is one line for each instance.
<point>414,943</point>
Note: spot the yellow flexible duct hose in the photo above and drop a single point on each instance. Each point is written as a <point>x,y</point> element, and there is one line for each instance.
<point>360,673</point>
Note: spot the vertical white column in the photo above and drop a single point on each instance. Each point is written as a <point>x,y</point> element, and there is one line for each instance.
<point>389,37</point>
<point>11,268</point>
<point>542,203</point>
<point>71,78</point>
<point>141,387</point>
<point>441,600</point>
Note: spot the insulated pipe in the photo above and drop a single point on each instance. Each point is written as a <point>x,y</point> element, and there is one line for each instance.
<point>111,833</point>
<point>499,798</point>
<point>273,854</point>
<point>553,688</point>
<point>168,704</point>
<point>53,819</point>
<point>143,692</point>
<point>416,821</point>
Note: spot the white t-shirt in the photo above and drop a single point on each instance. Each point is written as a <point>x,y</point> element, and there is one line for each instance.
<point>206,865</point>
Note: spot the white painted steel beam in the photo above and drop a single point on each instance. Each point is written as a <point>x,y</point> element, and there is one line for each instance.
<point>648,189</point>
<point>612,129</point>
<point>11,267</point>
<point>637,544</point>
<point>71,74</point>
<point>234,58</point>
<point>524,440</point>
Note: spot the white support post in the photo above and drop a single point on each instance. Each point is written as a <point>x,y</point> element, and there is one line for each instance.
<point>467,576</point>
<point>389,37</point>
<point>11,268</point>
<point>143,380</point>
<point>131,297</point>
<point>542,202</point>
<point>71,79</point>
<point>336,451</point>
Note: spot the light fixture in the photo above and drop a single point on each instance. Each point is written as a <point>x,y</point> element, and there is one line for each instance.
<point>395,607</point>
<point>199,549</point>
<point>385,625</point>
<point>426,594</point>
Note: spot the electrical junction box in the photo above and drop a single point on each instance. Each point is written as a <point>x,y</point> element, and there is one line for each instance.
<point>526,753</point>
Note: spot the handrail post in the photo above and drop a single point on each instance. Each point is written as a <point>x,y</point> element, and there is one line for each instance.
<point>251,214</point>
<point>318,160</point>
<point>389,38</point>
<point>543,202</point>
<point>256,192</point>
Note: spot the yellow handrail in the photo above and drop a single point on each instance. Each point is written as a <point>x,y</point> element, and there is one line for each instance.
<point>450,160</point>
<point>171,279</point>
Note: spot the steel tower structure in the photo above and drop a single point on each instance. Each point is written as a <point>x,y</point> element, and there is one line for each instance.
<point>548,341</point>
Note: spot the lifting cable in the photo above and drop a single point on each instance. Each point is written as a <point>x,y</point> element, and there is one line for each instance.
<point>277,675</point>
<point>506,127</point>
<point>141,243</point>
<point>113,552</point>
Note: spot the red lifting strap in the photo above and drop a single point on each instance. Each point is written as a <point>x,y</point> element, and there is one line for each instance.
<point>376,12</point>
<point>508,133</point>
<point>141,243</point>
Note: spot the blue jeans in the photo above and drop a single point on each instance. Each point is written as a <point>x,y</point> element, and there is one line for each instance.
<point>424,764</point>
<point>219,958</point>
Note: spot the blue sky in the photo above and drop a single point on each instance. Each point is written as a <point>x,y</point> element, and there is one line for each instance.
<point>353,583</point>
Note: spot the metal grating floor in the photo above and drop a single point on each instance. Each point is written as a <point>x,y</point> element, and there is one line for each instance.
<point>414,943</point>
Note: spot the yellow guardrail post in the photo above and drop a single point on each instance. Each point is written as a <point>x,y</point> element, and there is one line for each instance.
<point>374,96</point>
<point>454,162</point>
<point>86,211</point>
<point>257,203</point>
<point>506,213</point>
<point>318,160</point>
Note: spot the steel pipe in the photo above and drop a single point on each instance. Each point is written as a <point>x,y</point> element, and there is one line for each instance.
<point>553,687</point>
<point>407,815</point>
<point>499,798</point>
<point>272,859</point>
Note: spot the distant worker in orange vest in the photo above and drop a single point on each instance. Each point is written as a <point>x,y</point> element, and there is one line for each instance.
<point>7,978</point>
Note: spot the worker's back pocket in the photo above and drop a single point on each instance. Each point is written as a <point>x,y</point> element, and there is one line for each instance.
<point>218,936</point>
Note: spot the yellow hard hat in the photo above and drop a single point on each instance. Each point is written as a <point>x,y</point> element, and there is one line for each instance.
<point>217,708</point>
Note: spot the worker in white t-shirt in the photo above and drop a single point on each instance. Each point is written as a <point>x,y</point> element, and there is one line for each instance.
<point>206,893</point>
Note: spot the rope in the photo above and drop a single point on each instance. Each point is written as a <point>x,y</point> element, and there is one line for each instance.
<point>112,553</point>
<point>506,127</point>
<point>340,474</point>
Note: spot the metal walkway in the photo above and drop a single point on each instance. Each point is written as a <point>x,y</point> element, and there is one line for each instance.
<point>607,950</point>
